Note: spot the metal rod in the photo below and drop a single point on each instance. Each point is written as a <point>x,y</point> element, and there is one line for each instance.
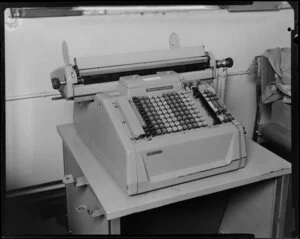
<point>31,96</point>
<point>238,73</point>
<point>48,94</point>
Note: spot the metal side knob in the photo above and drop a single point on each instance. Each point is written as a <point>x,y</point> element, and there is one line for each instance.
<point>56,83</point>
<point>228,62</point>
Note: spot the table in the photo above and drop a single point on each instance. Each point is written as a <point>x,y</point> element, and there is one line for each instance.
<point>97,205</point>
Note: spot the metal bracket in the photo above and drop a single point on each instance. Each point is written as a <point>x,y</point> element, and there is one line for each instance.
<point>78,182</point>
<point>92,213</point>
<point>81,181</point>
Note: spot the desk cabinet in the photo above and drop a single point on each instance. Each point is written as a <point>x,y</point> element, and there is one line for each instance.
<point>82,222</point>
<point>250,200</point>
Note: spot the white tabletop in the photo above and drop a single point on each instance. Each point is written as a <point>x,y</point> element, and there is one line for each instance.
<point>262,164</point>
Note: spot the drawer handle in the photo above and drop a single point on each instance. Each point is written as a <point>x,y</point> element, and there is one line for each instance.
<point>92,213</point>
<point>78,182</point>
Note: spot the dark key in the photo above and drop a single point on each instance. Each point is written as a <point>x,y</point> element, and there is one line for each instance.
<point>154,122</point>
<point>144,105</point>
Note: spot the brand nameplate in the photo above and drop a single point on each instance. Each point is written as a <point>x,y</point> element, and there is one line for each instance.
<point>159,88</point>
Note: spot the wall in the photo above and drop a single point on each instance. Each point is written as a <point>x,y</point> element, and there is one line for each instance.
<point>33,50</point>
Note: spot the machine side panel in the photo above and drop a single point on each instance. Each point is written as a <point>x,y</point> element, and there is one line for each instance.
<point>104,135</point>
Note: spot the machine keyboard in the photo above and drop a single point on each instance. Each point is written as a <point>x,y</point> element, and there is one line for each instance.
<point>216,108</point>
<point>170,112</point>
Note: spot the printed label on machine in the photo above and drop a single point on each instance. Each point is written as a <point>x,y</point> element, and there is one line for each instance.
<point>152,78</point>
<point>159,88</point>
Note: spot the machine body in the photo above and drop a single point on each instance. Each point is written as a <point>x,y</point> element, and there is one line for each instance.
<point>153,119</point>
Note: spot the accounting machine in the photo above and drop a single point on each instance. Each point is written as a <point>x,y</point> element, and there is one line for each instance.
<point>153,119</point>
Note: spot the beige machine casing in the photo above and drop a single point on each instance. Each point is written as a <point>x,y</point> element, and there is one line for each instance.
<point>143,165</point>
<point>106,120</point>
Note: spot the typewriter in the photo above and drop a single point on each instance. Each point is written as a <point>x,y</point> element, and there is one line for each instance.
<point>153,119</point>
